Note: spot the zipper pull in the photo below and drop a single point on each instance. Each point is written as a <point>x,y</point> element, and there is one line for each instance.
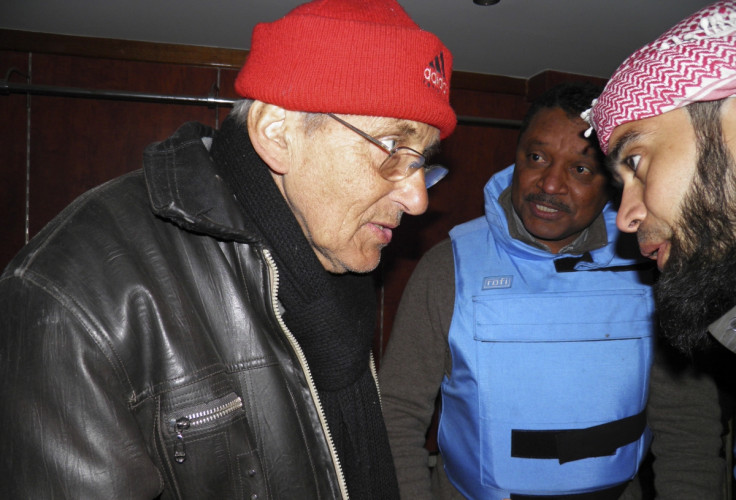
<point>180,452</point>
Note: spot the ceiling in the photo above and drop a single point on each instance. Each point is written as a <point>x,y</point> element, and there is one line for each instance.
<point>518,38</point>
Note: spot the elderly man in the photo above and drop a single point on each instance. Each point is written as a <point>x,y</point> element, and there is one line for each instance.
<point>198,329</point>
<point>516,320</point>
<point>667,119</point>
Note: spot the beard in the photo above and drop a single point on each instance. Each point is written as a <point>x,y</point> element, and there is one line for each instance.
<point>691,293</point>
<point>698,283</point>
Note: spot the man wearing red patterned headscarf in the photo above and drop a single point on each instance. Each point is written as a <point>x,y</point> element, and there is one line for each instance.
<point>667,120</point>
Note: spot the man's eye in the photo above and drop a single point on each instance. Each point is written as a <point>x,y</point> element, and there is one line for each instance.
<point>632,162</point>
<point>582,169</point>
<point>535,157</point>
<point>389,143</point>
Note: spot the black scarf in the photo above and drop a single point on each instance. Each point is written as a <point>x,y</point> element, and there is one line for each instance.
<point>332,317</point>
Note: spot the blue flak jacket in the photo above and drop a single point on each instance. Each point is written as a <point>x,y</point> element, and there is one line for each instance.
<point>550,363</point>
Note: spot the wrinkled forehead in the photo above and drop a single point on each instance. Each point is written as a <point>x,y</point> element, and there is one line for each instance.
<point>403,126</point>
<point>407,132</point>
<point>693,61</point>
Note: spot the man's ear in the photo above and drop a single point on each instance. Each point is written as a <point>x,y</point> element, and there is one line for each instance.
<point>267,131</point>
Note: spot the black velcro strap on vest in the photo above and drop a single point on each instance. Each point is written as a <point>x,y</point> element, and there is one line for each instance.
<point>567,264</point>
<point>613,493</point>
<point>576,444</point>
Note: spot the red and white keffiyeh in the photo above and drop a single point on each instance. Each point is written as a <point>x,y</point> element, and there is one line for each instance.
<point>693,61</point>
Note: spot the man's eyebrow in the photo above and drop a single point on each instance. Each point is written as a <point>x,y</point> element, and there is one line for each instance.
<point>402,128</point>
<point>589,150</point>
<point>535,143</point>
<point>622,143</point>
<point>408,130</point>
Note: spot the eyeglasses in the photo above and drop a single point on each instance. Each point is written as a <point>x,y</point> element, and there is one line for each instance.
<point>402,161</point>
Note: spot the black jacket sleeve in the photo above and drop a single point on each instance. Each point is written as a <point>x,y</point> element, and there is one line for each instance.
<point>66,429</point>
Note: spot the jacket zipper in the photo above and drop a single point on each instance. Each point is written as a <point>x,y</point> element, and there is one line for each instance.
<point>214,410</point>
<point>274,276</point>
<point>374,373</point>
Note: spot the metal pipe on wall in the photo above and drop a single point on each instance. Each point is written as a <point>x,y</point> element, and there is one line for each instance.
<point>7,88</point>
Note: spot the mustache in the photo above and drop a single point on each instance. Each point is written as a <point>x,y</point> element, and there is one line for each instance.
<point>549,200</point>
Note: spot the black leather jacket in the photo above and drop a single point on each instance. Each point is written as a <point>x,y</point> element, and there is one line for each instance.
<point>144,355</point>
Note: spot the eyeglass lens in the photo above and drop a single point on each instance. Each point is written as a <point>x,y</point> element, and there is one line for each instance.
<point>404,161</point>
<point>399,163</point>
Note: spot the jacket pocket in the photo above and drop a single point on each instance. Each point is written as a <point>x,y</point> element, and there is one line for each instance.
<point>209,448</point>
<point>210,413</point>
<point>560,362</point>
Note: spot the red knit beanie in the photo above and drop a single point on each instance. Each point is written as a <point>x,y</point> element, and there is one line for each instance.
<point>353,57</point>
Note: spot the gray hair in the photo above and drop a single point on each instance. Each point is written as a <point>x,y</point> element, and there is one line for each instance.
<point>240,110</point>
<point>312,121</point>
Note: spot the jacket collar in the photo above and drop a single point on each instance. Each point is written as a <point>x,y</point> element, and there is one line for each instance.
<point>183,186</point>
<point>609,255</point>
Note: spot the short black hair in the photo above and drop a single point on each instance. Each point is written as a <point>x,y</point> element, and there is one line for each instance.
<point>572,97</point>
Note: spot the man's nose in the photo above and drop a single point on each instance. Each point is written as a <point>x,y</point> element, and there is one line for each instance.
<point>411,193</point>
<point>552,180</point>
<point>632,210</point>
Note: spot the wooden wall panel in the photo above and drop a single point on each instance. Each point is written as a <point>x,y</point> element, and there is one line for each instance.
<point>12,160</point>
<point>227,83</point>
<point>79,143</point>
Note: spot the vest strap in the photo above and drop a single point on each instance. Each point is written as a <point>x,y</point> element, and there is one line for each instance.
<point>568,445</point>
<point>567,265</point>
<point>613,493</point>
